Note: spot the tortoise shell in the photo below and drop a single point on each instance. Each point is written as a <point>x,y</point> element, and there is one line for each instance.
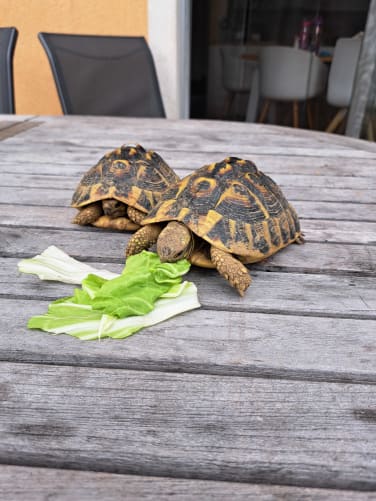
<point>129,174</point>
<point>233,206</point>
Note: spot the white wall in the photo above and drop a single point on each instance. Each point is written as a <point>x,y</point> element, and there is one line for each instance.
<point>169,40</point>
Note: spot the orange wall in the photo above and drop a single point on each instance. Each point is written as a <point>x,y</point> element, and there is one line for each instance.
<point>35,91</point>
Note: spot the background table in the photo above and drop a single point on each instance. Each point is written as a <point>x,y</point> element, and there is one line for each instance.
<point>273,388</point>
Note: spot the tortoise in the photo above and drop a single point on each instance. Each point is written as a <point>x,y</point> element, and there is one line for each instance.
<point>221,216</point>
<point>122,188</point>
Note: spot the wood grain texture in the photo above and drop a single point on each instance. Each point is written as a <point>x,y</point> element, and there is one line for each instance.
<point>315,230</point>
<point>289,293</point>
<point>20,215</point>
<point>18,483</point>
<point>187,135</point>
<point>92,244</point>
<point>55,181</point>
<point>17,128</point>
<point>62,196</point>
<point>73,161</point>
<point>190,426</point>
<point>242,343</point>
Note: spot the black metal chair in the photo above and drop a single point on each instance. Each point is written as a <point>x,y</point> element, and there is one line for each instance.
<point>104,75</point>
<point>8,38</point>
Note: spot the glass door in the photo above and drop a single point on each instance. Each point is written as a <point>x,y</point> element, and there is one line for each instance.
<point>269,60</point>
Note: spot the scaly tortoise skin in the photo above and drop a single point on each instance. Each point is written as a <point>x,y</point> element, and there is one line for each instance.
<point>122,188</point>
<point>221,216</point>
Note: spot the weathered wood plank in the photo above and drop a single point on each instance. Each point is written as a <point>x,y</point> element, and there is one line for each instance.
<point>16,128</point>
<point>18,483</point>
<point>232,344</point>
<point>317,230</point>
<point>75,160</point>
<point>191,426</point>
<point>287,293</point>
<point>62,196</point>
<point>214,131</point>
<point>347,232</point>
<point>63,181</point>
<point>7,120</point>
<point>60,217</point>
<point>93,245</point>
<point>156,141</point>
<point>56,190</point>
<point>188,136</point>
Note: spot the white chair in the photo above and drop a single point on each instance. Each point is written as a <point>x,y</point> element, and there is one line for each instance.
<point>341,78</point>
<point>236,73</point>
<point>290,74</point>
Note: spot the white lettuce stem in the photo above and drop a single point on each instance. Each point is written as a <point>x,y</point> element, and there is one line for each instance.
<point>55,264</point>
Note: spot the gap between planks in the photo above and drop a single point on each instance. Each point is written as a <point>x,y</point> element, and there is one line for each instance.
<point>163,367</point>
<point>34,484</point>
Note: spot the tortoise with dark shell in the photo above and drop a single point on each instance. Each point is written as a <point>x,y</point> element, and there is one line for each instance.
<point>221,216</point>
<point>122,188</point>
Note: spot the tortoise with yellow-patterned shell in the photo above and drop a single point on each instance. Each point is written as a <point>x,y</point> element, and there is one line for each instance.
<point>122,188</point>
<point>221,216</point>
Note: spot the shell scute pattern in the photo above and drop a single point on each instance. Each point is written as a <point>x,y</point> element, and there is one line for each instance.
<point>129,174</point>
<point>233,206</point>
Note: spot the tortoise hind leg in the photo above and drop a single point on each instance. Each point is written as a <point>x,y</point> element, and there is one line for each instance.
<point>201,257</point>
<point>231,269</point>
<point>299,239</point>
<point>88,214</point>
<point>144,238</point>
<point>117,223</point>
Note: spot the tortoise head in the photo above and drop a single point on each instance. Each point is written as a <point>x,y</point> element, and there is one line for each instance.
<point>175,242</point>
<point>114,208</point>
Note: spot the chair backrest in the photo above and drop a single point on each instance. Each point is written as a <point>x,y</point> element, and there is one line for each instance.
<point>342,71</point>
<point>8,38</point>
<point>290,74</point>
<point>104,75</point>
<point>236,72</point>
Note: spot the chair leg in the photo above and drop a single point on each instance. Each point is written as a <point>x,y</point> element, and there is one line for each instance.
<point>295,113</point>
<point>338,118</point>
<point>228,103</point>
<point>264,111</point>
<point>309,115</point>
<point>370,131</point>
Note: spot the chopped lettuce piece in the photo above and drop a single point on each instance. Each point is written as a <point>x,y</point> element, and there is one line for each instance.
<point>143,281</point>
<point>85,323</point>
<point>147,292</point>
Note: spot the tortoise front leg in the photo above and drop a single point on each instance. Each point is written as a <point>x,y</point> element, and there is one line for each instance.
<point>144,238</point>
<point>135,215</point>
<point>88,214</point>
<point>231,269</point>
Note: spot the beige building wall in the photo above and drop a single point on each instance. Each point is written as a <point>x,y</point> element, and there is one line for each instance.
<point>35,91</point>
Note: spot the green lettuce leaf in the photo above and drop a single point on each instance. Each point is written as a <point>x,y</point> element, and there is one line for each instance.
<point>147,292</point>
<point>143,281</point>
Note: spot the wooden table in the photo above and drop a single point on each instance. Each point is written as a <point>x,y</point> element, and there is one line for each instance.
<point>273,393</point>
